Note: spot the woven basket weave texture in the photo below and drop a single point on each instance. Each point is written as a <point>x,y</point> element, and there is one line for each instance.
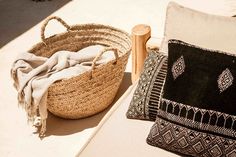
<point>94,90</point>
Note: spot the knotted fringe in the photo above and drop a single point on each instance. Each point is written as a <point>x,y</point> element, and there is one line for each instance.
<point>36,114</point>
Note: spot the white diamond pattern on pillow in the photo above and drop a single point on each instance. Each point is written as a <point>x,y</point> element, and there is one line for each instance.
<point>178,67</point>
<point>225,80</point>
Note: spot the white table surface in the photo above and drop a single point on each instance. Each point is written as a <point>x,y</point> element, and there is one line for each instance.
<point>66,137</point>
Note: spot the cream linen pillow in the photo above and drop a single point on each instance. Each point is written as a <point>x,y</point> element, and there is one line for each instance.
<point>205,30</point>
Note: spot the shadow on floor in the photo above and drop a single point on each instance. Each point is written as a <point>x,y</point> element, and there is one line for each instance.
<point>17,16</point>
<point>59,127</point>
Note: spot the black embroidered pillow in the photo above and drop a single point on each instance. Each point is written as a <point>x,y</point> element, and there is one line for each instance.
<point>197,114</point>
<point>146,97</point>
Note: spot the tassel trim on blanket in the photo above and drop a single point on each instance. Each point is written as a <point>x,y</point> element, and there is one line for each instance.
<point>33,75</point>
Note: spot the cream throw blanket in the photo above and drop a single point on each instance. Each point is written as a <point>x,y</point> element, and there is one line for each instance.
<point>33,75</point>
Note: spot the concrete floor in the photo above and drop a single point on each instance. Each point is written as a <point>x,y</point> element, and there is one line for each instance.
<point>20,29</point>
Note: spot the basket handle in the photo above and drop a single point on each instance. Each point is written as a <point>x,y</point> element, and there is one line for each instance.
<point>115,50</point>
<point>46,23</point>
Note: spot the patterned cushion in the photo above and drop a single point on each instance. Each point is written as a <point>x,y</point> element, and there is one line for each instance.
<point>146,97</point>
<point>197,114</point>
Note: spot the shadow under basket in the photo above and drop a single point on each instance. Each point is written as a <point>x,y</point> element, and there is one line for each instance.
<point>94,90</point>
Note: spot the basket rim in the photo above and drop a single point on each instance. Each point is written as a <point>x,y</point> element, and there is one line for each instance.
<point>84,27</point>
<point>41,44</point>
<point>101,25</point>
<point>73,28</point>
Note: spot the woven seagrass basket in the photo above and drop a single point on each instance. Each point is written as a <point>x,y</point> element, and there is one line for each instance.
<point>94,90</point>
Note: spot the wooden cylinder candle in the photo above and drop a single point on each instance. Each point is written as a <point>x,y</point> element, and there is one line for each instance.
<point>140,34</point>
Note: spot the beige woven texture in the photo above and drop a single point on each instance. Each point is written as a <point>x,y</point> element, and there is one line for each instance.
<point>93,91</point>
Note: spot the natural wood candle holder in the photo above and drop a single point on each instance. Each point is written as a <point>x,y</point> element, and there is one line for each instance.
<point>140,35</point>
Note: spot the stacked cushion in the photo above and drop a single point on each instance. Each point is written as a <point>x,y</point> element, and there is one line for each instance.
<point>197,114</point>
<point>147,95</point>
<point>197,28</point>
